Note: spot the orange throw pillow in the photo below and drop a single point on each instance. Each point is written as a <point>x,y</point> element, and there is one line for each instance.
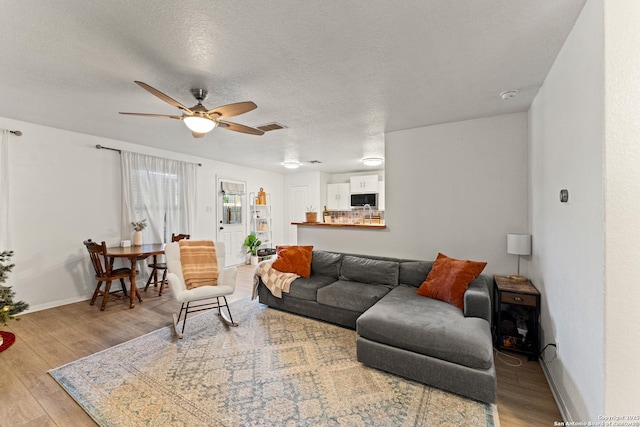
<point>294,259</point>
<point>449,279</point>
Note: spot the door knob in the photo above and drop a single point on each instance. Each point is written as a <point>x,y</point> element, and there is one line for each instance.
<point>221,228</point>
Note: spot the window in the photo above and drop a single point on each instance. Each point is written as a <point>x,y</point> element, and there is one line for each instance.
<point>232,209</point>
<point>232,197</point>
<point>162,191</point>
<point>147,203</point>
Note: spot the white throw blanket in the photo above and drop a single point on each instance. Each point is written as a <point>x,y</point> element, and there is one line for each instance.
<point>276,281</point>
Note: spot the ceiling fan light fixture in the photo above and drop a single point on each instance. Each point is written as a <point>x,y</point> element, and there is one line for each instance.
<point>199,124</point>
<point>373,161</point>
<point>291,165</point>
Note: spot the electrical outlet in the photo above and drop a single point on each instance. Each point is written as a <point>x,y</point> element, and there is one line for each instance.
<point>548,355</point>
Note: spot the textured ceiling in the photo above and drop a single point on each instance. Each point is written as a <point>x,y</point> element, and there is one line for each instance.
<point>338,74</point>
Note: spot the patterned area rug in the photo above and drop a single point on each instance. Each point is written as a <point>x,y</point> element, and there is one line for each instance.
<point>275,369</point>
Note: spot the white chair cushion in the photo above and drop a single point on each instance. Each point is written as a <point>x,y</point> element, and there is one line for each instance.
<point>202,292</point>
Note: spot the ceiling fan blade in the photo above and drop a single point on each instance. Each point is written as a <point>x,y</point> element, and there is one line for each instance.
<point>240,128</point>
<point>153,115</point>
<point>231,110</point>
<point>197,135</point>
<point>162,96</point>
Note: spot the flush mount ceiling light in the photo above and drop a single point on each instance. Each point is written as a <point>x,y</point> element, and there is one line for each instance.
<point>508,94</point>
<point>199,124</point>
<point>372,161</point>
<point>291,165</point>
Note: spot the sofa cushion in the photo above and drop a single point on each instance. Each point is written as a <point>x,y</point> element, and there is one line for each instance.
<point>294,259</point>
<point>413,273</point>
<point>427,326</point>
<point>366,270</point>
<point>449,279</point>
<point>353,296</point>
<point>307,288</point>
<point>326,264</point>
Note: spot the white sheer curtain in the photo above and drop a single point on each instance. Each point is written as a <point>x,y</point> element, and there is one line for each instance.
<point>162,191</point>
<point>4,190</point>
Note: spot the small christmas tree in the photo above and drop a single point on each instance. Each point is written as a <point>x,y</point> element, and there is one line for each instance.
<point>8,308</point>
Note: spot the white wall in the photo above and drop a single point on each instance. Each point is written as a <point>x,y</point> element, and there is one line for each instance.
<point>622,207</point>
<point>63,191</point>
<point>566,131</point>
<point>455,188</point>
<point>316,184</point>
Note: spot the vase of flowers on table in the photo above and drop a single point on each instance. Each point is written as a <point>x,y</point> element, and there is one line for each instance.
<point>137,235</point>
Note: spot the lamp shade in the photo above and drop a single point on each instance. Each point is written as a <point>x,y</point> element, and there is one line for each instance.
<point>519,244</point>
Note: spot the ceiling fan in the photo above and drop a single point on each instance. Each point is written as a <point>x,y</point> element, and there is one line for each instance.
<point>199,119</point>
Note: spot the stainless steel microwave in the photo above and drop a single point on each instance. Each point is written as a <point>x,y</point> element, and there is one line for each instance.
<point>359,200</point>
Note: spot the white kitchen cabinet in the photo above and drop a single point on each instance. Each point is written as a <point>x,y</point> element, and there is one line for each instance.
<point>339,197</point>
<point>364,184</point>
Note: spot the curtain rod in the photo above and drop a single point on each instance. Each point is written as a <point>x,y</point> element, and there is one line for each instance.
<point>15,132</point>
<point>102,147</point>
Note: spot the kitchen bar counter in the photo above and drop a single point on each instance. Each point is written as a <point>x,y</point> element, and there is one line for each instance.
<point>336,224</point>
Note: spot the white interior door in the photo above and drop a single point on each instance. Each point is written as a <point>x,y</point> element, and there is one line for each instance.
<point>298,200</point>
<point>232,222</point>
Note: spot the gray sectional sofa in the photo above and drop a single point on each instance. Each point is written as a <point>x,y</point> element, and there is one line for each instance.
<point>399,331</point>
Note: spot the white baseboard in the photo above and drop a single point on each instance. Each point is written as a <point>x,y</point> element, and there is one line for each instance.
<point>52,304</point>
<point>564,412</point>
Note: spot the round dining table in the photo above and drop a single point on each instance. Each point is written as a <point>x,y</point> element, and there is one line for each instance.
<point>135,254</point>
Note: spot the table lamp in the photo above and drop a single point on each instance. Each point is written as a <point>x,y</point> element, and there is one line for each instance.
<point>518,244</point>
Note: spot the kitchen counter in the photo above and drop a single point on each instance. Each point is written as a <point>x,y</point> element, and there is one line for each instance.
<point>336,224</point>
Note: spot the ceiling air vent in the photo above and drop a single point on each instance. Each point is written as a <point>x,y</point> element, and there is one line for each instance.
<point>271,126</point>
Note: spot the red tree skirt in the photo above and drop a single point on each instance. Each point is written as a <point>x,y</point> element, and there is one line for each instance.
<point>8,339</point>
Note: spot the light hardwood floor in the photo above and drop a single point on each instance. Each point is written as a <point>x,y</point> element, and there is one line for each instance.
<point>50,338</point>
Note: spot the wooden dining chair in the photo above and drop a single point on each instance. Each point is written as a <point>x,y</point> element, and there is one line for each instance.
<point>157,266</point>
<point>105,273</point>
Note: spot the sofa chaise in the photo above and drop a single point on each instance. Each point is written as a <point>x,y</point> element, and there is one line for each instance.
<point>399,331</point>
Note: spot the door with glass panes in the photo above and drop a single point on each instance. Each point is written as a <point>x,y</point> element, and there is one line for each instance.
<point>232,226</point>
